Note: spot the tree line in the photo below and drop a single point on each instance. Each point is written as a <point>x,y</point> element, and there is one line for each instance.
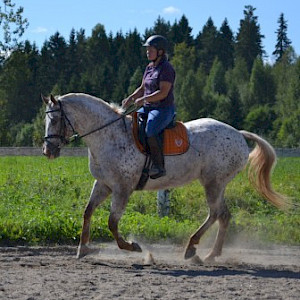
<point>219,74</point>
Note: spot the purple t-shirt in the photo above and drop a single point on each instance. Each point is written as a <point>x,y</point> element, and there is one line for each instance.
<point>153,75</point>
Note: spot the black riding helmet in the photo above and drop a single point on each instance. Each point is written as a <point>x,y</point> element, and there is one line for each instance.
<point>158,42</point>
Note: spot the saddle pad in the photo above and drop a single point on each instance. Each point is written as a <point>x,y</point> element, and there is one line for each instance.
<point>176,140</point>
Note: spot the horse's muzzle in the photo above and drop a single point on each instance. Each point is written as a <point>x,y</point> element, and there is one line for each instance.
<point>51,151</point>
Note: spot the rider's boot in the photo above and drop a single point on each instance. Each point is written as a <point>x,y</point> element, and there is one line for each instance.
<point>156,153</point>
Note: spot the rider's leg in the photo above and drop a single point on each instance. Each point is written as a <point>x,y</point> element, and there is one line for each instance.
<point>158,120</point>
<point>156,153</point>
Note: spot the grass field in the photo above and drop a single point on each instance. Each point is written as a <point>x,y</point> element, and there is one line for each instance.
<point>42,202</point>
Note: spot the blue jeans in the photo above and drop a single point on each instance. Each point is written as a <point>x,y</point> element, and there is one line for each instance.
<point>158,118</point>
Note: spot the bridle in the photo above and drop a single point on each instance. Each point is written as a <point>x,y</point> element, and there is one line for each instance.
<point>61,136</point>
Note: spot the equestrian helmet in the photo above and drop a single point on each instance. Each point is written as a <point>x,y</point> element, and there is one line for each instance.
<point>158,42</point>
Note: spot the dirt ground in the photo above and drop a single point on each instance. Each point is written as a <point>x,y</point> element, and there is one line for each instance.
<point>40,273</point>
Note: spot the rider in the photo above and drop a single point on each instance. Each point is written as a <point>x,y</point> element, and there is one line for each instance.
<point>156,98</point>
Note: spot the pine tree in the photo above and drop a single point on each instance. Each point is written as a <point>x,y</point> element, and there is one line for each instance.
<point>75,60</point>
<point>134,54</point>
<point>289,133</point>
<point>283,72</point>
<point>181,32</point>
<point>98,46</point>
<point>71,55</point>
<point>283,42</point>
<point>216,78</point>
<point>161,27</point>
<point>189,98</point>
<point>225,45</point>
<point>183,60</point>
<point>135,80</point>
<point>18,83</point>
<point>249,40</point>
<point>262,85</point>
<point>122,83</point>
<point>206,42</point>
<point>235,116</point>
<point>190,101</point>
<point>53,64</point>
<point>117,48</point>
<point>237,84</point>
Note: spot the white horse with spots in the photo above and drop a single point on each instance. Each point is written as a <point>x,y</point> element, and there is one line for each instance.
<point>217,153</point>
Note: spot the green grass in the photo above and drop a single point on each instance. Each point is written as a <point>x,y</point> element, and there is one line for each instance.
<point>42,202</point>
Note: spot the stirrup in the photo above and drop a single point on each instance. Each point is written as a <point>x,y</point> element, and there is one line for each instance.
<point>156,172</point>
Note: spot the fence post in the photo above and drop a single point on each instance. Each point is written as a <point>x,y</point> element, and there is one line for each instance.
<point>163,203</point>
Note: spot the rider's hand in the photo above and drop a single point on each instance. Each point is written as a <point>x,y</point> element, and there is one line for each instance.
<point>139,101</point>
<point>126,102</point>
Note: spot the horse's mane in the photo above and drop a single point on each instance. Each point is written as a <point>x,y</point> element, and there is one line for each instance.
<point>113,106</point>
<point>116,107</point>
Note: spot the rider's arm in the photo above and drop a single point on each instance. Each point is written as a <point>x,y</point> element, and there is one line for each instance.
<point>139,92</point>
<point>162,93</point>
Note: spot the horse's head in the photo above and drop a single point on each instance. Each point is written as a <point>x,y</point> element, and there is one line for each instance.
<point>55,127</point>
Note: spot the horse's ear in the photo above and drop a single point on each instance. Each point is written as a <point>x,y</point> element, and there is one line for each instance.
<point>53,99</point>
<point>45,99</point>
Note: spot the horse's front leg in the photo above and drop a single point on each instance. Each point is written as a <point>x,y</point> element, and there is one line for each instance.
<point>119,202</point>
<point>98,195</point>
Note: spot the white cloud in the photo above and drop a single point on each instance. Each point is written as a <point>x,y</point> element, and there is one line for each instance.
<point>170,10</point>
<point>40,30</point>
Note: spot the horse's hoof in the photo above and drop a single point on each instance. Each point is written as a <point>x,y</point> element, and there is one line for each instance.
<point>190,252</point>
<point>84,251</point>
<point>136,247</point>
<point>209,259</point>
<point>149,259</point>
<point>196,260</point>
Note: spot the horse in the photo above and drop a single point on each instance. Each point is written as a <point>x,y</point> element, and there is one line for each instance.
<point>217,153</point>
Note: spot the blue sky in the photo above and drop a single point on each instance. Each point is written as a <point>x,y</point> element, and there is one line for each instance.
<point>47,17</point>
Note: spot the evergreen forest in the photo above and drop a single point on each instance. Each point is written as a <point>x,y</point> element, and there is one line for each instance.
<point>219,74</point>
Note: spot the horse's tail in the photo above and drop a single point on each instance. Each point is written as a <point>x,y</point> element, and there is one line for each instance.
<point>261,162</point>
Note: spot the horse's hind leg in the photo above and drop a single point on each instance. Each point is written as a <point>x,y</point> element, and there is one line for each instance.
<point>223,218</point>
<point>119,202</point>
<point>98,195</point>
<point>195,238</point>
<point>214,194</point>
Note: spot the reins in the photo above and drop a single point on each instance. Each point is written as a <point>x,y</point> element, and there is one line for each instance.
<point>78,136</point>
<point>128,111</point>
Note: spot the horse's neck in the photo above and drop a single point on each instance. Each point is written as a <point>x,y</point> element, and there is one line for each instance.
<point>87,114</point>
